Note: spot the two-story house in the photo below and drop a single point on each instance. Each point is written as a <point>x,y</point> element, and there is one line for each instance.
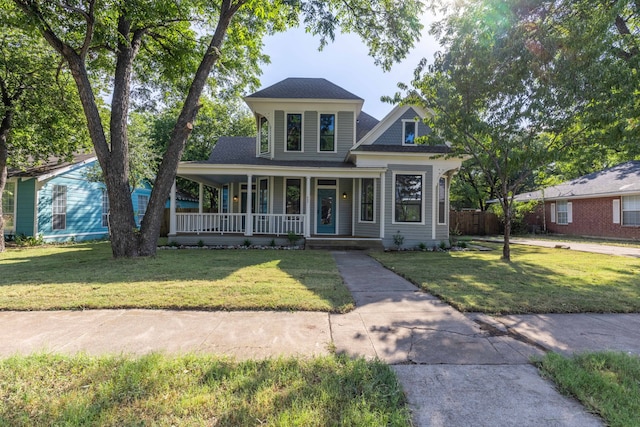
<point>325,170</point>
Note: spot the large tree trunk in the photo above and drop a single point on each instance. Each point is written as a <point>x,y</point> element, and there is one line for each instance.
<point>5,126</point>
<point>150,230</point>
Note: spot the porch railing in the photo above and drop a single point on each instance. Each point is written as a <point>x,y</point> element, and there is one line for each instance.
<point>221,223</point>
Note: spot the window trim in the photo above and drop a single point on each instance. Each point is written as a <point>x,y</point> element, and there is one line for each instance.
<point>105,215</point>
<point>564,203</point>
<point>15,205</point>
<point>445,201</point>
<point>140,216</point>
<point>284,199</point>
<point>415,123</point>
<point>623,210</point>
<point>260,136</point>
<point>286,142</point>
<point>422,174</point>
<point>57,205</point>
<point>373,202</point>
<point>335,132</point>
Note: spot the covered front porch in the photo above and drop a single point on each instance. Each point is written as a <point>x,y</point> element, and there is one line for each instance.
<point>284,204</point>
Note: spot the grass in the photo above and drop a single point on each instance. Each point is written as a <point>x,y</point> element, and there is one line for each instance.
<point>197,390</point>
<point>606,383</point>
<point>579,239</point>
<point>538,280</point>
<point>85,276</point>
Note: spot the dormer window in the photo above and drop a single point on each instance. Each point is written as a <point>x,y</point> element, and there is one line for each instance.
<point>294,132</point>
<point>264,135</point>
<point>327,132</point>
<point>409,132</point>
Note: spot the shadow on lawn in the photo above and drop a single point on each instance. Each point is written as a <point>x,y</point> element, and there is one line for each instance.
<point>241,270</point>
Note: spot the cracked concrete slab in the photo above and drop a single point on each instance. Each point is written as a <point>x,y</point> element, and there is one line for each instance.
<point>460,395</point>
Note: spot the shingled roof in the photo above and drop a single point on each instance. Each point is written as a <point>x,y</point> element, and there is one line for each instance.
<point>304,88</point>
<point>50,165</point>
<point>620,179</point>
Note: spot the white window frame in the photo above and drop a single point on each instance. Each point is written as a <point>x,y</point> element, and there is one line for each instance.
<point>105,208</point>
<point>422,202</point>
<point>286,120</point>
<point>626,200</point>
<point>335,132</point>
<point>560,213</point>
<point>445,201</point>
<point>284,199</point>
<point>58,205</point>
<point>15,206</point>
<point>142,213</point>
<point>375,198</point>
<point>415,123</point>
<point>260,136</point>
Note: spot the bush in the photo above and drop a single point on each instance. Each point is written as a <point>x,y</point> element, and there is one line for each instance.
<point>518,212</point>
<point>23,240</point>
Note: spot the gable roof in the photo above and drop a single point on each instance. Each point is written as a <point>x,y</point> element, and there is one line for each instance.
<point>364,124</point>
<point>51,167</point>
<point>304,88</point>
<point>617,180</point>
<point>386,122</point>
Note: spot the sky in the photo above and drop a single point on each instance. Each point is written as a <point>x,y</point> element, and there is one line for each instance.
<point>344,62</point>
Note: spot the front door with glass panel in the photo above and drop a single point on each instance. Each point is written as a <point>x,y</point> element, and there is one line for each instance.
<point>325,216</point>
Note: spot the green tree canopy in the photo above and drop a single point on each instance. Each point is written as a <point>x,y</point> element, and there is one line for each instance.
<point>180,50</point>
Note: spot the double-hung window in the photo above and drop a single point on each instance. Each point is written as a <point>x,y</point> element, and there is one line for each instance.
<point>367,199</point>
<point>59,207</point>
<point>263,132</point>
<point>631,210</point>
<point>327,132</point>
<point>294,132</point>
<point>105,208</point>
<point>293,189</point>
<point>562,212</point>
<point>9,206</point>
<point>442,201</point>
<point>408,198</point>
<point>143,201</point>
<point>263,196</point>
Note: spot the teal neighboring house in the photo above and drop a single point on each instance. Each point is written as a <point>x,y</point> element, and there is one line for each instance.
<point>57,201</point>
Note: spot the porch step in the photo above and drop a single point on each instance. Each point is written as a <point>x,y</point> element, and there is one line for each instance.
<point>343,244</point>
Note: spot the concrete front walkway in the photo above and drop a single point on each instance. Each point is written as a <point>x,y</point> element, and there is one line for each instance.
<point>456,370</point>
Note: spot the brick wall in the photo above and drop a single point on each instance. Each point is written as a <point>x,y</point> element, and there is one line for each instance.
<point>592,217</point>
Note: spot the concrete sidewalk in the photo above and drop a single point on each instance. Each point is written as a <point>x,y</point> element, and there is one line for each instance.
<point>455,369</point>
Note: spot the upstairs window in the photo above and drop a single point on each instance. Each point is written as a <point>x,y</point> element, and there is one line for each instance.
<point>408,198</point>
<point>264,135</point>
<point>327,132</point>
<point>631,210</point>
<point>409,132</point>
<point>59,207</point>
<point>294,132</point>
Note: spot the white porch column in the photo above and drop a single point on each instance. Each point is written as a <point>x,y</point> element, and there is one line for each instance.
<point>200,197</point>
<point>172,210</point>
<point>354,204</point>
<point>248,231</point>
<point>383,203</point>
<point>307,207</point>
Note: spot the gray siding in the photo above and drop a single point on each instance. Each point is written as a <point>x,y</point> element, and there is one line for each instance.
<point>278,195</point>
<point>393,135</point>
<point>367,229</point>
<point>344,136</point>
<point>345,207</point>
<point>413,233</point>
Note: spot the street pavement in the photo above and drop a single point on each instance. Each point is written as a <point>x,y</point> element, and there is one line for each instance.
<point>455,369</point>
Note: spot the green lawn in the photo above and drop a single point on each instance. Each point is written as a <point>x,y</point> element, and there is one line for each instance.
<point>538,280</point>
<point>197,390</point>
<point>606,383</point>
<point>86,276</point>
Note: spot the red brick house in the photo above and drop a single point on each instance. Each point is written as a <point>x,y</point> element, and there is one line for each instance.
<point>601,204</point>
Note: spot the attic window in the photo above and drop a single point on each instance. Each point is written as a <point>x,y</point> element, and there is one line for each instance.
<point>409,132</point>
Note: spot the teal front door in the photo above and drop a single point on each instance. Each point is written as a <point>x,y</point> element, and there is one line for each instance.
<point>325,215</point>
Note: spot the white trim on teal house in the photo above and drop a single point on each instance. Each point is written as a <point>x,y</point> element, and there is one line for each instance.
<point>330,181</point>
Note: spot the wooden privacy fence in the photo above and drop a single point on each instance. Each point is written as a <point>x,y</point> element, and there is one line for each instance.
<point>479,223</point>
